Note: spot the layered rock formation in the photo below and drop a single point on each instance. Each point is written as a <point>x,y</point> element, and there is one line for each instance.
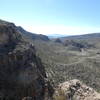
<point>21,71</point>
<point>75,90</point>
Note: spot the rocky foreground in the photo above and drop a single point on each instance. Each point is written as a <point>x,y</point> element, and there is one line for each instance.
<point>75,90</point>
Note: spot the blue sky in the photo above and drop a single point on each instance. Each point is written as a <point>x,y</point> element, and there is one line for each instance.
<point>68,17</point>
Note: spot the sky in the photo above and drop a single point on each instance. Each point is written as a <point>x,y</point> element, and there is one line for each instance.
<point>70,17</point>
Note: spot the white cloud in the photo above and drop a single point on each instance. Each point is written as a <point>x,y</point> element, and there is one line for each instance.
<point>68,30</point>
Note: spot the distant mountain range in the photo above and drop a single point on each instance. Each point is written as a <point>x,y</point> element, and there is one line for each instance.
<point>56,35</point>
<point>85,36</point>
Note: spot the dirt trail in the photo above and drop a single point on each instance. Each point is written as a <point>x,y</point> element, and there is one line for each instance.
<point>82,59</point>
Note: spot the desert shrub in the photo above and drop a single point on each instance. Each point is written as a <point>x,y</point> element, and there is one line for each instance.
<point>60,95</point>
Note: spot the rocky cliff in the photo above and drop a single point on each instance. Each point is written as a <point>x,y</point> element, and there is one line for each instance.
<point>75,90</point>
<point>22,74</point>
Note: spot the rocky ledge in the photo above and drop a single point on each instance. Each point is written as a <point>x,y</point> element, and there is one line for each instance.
<point>75,90</point>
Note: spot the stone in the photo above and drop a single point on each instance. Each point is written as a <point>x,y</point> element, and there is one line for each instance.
<point>75,90</point>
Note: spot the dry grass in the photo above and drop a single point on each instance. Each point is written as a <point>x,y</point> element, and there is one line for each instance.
<point>60,95</point>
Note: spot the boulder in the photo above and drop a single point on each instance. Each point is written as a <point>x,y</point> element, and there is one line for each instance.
<point>75,90</point>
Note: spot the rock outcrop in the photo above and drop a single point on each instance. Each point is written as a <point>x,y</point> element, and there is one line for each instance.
<point>22,74</point>
<point>75,90</point>
<point>77,44</point>
<point>58,40</point>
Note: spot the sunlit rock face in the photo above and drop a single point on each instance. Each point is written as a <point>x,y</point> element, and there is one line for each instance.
<point>21,71</point>
<point>75,90</point>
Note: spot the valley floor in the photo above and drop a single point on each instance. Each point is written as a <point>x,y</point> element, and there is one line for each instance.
<point>62,63</point>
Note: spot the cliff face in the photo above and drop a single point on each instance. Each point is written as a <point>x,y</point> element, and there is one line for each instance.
<point>9,37</point>
<point>21,71</point>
